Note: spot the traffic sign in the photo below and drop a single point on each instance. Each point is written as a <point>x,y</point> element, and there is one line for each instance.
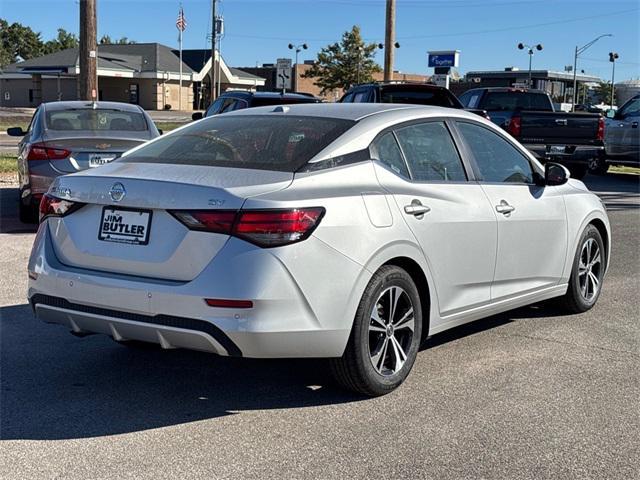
<point>283,73</point>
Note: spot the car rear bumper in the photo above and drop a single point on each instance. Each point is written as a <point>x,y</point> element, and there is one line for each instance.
<point>574,155</point>
<point>282,323</point>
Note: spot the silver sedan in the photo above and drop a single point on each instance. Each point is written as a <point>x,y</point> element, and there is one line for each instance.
<point>65,137</point>
<point>350,232</point>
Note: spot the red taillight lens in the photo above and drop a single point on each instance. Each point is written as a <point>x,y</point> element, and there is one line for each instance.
<point>269,228</point>
<point>38,151</point>
<point>224,303</point>
<point>514,126</point>
<point>51,206</point>
<point>217,221</point>
<point>600,134</point>
<point>265,228</point>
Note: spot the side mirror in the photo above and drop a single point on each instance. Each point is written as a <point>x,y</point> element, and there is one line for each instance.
<point>196,115</point>
<point>16,132</point>
<point>555,174</point>
<point>160,131</point>
<point>611,113</point>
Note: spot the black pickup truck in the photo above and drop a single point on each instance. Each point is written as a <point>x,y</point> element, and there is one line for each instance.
<point>573,139</point>
<point>412,93</point>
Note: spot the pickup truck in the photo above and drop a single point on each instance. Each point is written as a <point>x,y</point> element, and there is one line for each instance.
<point>575,140</point>
<point>407,93</point>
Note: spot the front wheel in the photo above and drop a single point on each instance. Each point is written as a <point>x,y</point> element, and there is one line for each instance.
<point>385,337</point>
<point>587,273</point>
<point>598,166</point>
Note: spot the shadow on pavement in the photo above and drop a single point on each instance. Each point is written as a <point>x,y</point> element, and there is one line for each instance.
<point>9,222</point>
<point>619,191</point>
<point>57,386</point>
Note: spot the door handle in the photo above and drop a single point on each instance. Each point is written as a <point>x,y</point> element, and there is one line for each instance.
<point>505,208</point>
<point>416,209</point>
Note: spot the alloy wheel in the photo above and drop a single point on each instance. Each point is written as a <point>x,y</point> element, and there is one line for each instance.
<point>391,330</point>
<point>590,269</point>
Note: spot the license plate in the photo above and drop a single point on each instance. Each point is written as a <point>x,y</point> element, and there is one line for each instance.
<point>557,149</point>
<point>97,159</point>
<point>123,225</point>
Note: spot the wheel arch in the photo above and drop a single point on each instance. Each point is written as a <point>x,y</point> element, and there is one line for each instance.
<point>604,233</point>
<point>420,279</point>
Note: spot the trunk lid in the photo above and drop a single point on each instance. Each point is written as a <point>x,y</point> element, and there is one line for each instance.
<point>91,149</point>
<point>564,128</point>
<point>165,248</point>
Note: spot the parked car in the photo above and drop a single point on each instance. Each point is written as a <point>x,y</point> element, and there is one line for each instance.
<point>66,137</point>
<point>573,139</point>
<point>238,100</point>
<point>341,231</point>
<point>622,136</point>
<point>406,93</point>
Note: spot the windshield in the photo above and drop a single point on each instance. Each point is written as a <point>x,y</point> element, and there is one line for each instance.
<point>95,119</point>
<point>264,142</point>
<point>439,98</point>
<point>517,101</point>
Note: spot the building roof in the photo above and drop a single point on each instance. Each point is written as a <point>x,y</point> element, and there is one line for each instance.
<point>550,74</point>
<point>137,57</point>
<point>198,59</point>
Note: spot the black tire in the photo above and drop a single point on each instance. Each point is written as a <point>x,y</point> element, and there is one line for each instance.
<point>578,172</point>
<point>27,213</point>
<point>598,166</point>
<point>575,300</point>
<point>355,369</point>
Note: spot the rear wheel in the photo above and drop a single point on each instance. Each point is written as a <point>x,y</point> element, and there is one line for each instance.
<point>385,336</point>
<point>598,166</point>
<point>588,270</point>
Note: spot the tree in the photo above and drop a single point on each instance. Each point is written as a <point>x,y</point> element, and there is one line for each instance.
<point>63,41</point>
<point>342,65</point>
<point>602,93</point>
<point>106,40</point>
<point>16,40</point>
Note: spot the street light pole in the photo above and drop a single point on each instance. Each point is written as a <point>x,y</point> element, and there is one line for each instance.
<point>522,46</point>
<point>298,49</point>
<point>613,56</point>
<point>578,51</point>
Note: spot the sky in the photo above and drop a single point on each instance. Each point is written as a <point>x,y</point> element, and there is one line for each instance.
<point>485,31</point>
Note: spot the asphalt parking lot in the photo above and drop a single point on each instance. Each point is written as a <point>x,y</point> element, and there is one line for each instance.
<point>528,394</point>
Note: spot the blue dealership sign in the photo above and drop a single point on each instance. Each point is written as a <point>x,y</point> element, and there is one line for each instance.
<point>444,59</point>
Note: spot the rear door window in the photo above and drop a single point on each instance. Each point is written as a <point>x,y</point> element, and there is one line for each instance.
<point>264,142</point>
<point>431,153</point>
<point>95,119</point>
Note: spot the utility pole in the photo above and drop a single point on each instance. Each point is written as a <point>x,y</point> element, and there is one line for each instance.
<point>88,51</point>
<point>613,56</point>
<point>213,50</point>
<point>389,39</point>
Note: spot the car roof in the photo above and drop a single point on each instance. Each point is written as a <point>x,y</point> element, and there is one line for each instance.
<point>401,86</point>
<point>83,104</point>
<point>347,111</point>
<point>509,89</point>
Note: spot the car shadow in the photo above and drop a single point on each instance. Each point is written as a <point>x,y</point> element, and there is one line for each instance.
<point>618,191</point>
<point>57,386</point>
<point>9,221</point>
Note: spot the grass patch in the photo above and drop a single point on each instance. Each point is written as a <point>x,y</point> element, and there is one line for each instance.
<point>168,126</point>
<point>8,163</point>
<point>624,169</point>
<point>5,123</point>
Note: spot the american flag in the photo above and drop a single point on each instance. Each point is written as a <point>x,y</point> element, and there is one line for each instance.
<point>181,22</point>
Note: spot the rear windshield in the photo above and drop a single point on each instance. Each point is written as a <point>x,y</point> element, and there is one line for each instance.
<point>517,101</point>
<point>98,119</point>
<point>438,98</point>
<point>263,142</point>
<point>266,101</point>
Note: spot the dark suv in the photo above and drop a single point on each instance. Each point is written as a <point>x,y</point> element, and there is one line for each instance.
<point>409,93</point>
<point>237,100</point>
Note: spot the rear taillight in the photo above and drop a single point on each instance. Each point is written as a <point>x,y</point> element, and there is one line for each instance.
<point>265,228</point>
<point>51,206</point>
<point>600,135</point>
<point>38,151</point>
<point>514,126</point>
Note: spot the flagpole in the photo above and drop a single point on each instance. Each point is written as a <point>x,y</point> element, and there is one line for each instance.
<point>180,88</point>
